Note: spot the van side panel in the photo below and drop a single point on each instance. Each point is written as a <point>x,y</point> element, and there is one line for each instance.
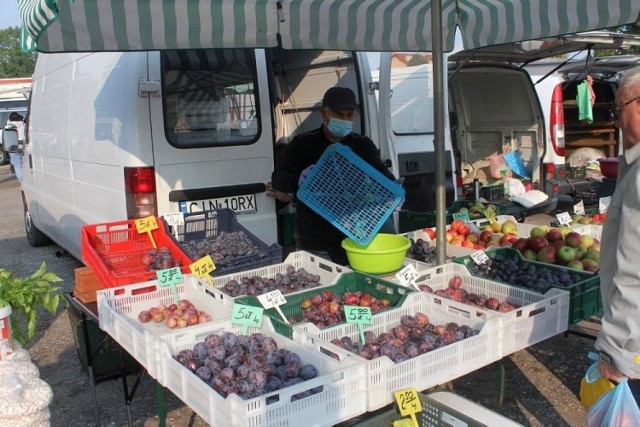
<point>87,124</point>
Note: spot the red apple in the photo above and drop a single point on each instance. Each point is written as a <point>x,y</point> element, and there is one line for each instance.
<point>547,254</point>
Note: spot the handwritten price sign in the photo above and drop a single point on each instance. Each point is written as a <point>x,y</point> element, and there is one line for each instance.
<point>408,276</point>
<point>409,403</point>
<point>462,216</point>
<point>170,277</point>
<point>147,225</point>
<point>202,268</point>
<point>274,299</point>
<point>359,315</point>
<point>246,315</point>
<point>479,257</point>
<point>174,220</point>
<point>564,218</point>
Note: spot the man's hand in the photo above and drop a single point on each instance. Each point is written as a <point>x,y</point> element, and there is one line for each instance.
<point>610,372</point>
<point>304,174</point>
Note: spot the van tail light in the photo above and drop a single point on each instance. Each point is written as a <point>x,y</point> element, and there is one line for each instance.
<point>556,188</point>
<point>556,121</point>
<point>459,181</point>
<point>140,192</point>
<point>550,171</point>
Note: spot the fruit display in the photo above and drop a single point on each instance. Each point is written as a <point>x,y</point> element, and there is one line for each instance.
<point>223,248</point>
<point>292,280</point>
<point>326,309</point>
<point>246,365</point>
<point>562,247</point>
<point>160,259</point>
<point>525,274</point>
<point>414,336</point>
<point>422,250</point>
<point>179,315</point>
<point>594,219</point>
<point>478,210</point>
<point>460,233</point>
<point>456,292</point>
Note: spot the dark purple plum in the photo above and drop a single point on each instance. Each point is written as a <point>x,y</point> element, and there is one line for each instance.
<point>292,369</point>
<point>273,384</point>
<point>269,344</point>
<point>308,372</point>
<point>242,371</point>
<point>411,349</point>
<point>218,353</point>
<point>212,340</point>
<point>389,350</point>
<point>201,350</point>
<point>204,373</point>
<point>227,374</point>
<point>258,378</point>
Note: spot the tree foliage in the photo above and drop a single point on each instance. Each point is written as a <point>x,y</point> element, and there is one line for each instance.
<point>625,29</point>
<point>13,62</point>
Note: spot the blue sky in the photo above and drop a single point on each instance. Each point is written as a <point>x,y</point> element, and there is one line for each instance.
<point>9,16</point>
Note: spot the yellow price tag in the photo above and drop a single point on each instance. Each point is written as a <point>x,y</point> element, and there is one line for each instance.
<point>409,403</point>
<point>147,225</point>
<point>202,267</point>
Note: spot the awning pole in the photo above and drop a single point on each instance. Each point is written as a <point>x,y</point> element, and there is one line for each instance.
<point>440,168</point>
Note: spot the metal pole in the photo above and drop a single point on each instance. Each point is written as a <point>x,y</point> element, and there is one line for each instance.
<point>438,97</point>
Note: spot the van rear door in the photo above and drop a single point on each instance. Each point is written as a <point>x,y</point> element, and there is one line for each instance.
<point>406,123</point>
<point>212,134</point>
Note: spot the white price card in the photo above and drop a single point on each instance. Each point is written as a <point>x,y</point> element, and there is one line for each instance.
<point>174,219</point>
<point>271,299</point>
<point>408,276</point>
<point>564,218</point>
<point>274,299</point>
<point>578,208</point>
<point>479,257</point>
<point>603,204</point>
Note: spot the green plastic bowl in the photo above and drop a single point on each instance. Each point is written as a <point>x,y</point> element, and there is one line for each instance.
<point>384,254</point>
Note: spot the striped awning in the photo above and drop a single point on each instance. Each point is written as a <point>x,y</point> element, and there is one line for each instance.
<point>369,25</point>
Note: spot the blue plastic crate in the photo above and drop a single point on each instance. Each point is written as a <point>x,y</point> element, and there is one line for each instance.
<point>350,193</point>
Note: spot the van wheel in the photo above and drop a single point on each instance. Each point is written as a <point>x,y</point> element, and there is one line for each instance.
<point>4,157</point>
<point>35,237</point>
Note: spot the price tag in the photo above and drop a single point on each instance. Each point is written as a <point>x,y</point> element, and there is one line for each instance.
<point>603,204</point>
<point>579,208</point>
<point>462,216</point>
<point>360,316</point>
<point>409,403</point>
<point>564,218</point>
<point>147,225</point>
<point>274,299</point>
<point>246,315</point>
<point>202,267</point>
<point>408,276</point>
<point>479,257</point>
<point>490,213</point>
<point>174,220</point>
<point>170,277</point>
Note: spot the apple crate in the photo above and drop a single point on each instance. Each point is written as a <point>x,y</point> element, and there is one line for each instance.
<point>438,366</point>
<point>209,225</point>
<point>538,316</point>
<point>409,220</point>
<point>593,230</point>
<point>342,384</point>
<point>118,310</point>
<point>584,299</point>
<point>327,270</point>
<point>351,281</point>
<point>444,409</point>
<point>114,252</point>
<point>524,229</point>
<point>453,251</point>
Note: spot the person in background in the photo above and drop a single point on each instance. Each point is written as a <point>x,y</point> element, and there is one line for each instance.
<point>619,338</point>
<point>16,158</point>
<point>339,108</point>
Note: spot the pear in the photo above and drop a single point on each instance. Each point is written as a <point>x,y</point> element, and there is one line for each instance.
<point>509,227</point>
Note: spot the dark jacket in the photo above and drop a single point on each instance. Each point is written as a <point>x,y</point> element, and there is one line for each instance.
<point>313,231</point>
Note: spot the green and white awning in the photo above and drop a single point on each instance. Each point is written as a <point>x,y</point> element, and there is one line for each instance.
<point>372,25</point>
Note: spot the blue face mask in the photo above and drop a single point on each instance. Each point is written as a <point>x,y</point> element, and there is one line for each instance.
<point>340,128</point>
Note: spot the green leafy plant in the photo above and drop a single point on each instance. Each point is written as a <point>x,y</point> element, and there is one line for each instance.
<point>25,295</point>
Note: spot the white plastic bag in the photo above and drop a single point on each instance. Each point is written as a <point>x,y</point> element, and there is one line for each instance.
<point>616,408</point>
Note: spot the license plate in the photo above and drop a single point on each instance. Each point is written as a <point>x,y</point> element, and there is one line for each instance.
<point>239,204</point>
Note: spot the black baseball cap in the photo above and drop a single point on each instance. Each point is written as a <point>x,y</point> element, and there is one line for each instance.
<point>339,98</point>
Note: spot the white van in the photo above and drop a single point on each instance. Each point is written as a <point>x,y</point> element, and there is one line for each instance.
<point>125,135</point>
<point>556,81</point>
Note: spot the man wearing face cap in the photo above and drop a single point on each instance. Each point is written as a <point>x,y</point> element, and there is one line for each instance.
<point>313,233</point>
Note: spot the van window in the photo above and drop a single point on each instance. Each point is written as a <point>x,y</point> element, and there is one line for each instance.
<point>411,101</point>
<point>209,97</point>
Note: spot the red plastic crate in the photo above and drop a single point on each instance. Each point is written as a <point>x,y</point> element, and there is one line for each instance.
<point>114,252</point>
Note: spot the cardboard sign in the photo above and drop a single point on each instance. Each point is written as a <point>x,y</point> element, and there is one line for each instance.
<point>202,267</point>
<point>579,208</point>
<point>479,257</point>
<point>408,276</point>
<point>409,403</point>
<point>170,277</point>
<point>246,315</point>
<point>603,204</point>
<point>274,299</point>
<point>462,216</point>
<point>564,218</point>
<point>358,315</point>
<point>147,225</point>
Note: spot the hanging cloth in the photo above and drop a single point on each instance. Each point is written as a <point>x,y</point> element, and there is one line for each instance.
<point>585,100</point>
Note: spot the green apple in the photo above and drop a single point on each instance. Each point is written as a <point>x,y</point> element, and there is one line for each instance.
<point>566,254</point>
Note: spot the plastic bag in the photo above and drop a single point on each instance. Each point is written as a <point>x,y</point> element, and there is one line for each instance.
<point>593,385</point>
<point>616,408</point>
<point>497,165</point>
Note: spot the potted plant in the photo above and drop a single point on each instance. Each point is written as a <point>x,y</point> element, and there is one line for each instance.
<point>21,297</point>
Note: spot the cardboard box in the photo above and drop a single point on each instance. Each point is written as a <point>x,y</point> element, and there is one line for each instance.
<point>86,285</point>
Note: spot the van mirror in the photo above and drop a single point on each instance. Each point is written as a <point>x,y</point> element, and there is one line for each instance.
<point>10,139</point>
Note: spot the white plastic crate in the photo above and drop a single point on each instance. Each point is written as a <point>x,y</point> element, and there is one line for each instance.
<point>384,377</point>
<point>343,394</point>
<point>327,270</point>
<point>538,317</point>
<point>593,230</point>
<point>118,310</point>
<point>453,251</point>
